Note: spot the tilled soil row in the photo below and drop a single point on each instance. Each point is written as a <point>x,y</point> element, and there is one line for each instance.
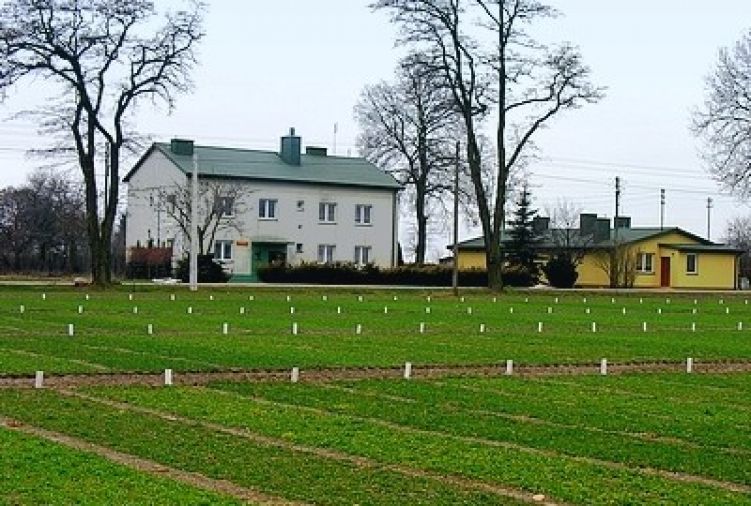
<point>355,373</point>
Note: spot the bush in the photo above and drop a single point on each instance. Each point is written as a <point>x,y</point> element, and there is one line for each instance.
<point>148,263</point>
<point>561,271</point>
<point>519,275</point>
<point>208,270</point>
<point>409,275</point>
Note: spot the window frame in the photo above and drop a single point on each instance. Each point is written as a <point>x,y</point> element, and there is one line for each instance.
<point>327,212</point>
<point>222,246</point>
<point>645,263</point>
<point>264,206</point>
<point>363,211</point>
<point>361,259</point>
<point>326,253</point>
<point>696,264</point>
<point>224,203</point>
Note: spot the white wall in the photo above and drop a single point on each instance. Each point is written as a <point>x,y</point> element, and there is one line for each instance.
<point>290,224</point>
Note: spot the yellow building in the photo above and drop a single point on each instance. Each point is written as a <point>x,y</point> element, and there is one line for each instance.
<point>636,257</point>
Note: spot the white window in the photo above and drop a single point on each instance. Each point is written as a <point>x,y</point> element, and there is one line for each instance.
<point>362,214</point>
<point>267,209</point>
<point>327,212</point>
<point>225,206</point>
<point>223,250</point>
<point>645,262</point>
<point>362,255</point>
<point>692,266</point>
<point>325,253</point>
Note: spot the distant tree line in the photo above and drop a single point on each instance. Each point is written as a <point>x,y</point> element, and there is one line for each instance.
<point>43,226</point>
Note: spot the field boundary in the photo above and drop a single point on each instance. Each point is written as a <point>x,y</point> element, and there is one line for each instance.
<point>149,466</point>
<point>356,373</point>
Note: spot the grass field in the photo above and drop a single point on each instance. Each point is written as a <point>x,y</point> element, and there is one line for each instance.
<point>108,336</point>
<point>584,439</point>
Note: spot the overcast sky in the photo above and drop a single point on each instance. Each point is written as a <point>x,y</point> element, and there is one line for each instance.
<point>266,66</point>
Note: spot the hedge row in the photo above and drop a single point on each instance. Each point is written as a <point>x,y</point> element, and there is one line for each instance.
<point>348,274</point>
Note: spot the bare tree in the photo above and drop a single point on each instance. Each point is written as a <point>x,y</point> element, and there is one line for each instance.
<point>526,81</point>
<point>409,128</point>
<point>618,262</point>
<point>565,235</point>
<point>724,122</point>
<point>220,207</point>
<point>104,62</point>
<point>738,235</point>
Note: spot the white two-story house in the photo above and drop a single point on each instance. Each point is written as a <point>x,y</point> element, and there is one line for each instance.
<point>289,206</point>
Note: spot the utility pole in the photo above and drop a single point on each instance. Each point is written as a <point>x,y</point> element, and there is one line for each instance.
<point>662,208</point>
<point>194,226</point>
<point>455,274</point>
<point>709,217</point>
<point>617,204</point>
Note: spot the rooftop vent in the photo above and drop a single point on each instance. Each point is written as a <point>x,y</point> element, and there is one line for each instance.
<point>290,150</point>
<point>316,151</point>
<point>182,147</point>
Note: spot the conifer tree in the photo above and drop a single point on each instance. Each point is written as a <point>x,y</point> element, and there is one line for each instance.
<point>524,239</point>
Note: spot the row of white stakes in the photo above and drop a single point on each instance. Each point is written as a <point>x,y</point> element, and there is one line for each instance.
<point>508,370</point>
<point>422,328</point>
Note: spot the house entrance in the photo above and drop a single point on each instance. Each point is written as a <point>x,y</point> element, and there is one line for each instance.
<point>665,272</point>
<point>264,254</point>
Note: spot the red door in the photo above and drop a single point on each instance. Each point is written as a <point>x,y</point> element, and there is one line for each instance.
<point>665,272</point>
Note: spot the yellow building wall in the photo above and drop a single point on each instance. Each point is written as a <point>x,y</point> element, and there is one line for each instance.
<point>714,270</point>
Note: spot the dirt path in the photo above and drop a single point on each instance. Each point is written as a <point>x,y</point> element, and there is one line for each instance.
<point>150,467</point>
<point>355,373</point>
<point>364,462</point>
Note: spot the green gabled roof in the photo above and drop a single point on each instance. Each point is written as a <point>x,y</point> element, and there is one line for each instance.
<point>704,248</point>
<point>268,166</point>
<point>625,236</point>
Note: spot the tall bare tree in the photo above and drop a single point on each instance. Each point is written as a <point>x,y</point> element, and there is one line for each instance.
<point>724,122</point>
<point>409,128</point>
<point>527,82</point>
<point>104,57</point>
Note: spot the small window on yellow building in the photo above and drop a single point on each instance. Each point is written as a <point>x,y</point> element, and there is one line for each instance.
<point>692,266</point>
<point>644,263</point>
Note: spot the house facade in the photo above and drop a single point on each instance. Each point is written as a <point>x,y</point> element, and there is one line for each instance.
<point>267,207</point>
<point>650,257</point>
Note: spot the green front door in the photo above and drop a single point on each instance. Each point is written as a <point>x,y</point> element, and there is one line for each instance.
<point>264,254</point>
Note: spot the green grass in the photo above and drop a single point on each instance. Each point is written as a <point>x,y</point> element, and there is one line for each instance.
<point>35,471</point>
<point>109,337</point>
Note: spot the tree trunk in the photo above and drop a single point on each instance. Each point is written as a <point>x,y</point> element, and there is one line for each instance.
<point>422,225</point>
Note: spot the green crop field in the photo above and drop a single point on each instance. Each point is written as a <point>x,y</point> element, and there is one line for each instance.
<point>656,438</point>
<point>112,332</point>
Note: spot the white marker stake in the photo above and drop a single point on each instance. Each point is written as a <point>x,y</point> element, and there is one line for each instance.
<point>641,301</point>
<point>292,310</point>
<point>740,325</point>
<point>693,326</point>
<point>584,300</point>
<point>526,299</point>
<point>462,299</point>
<point>550,310</point>
<point>39,379</point>
<point>251,298</point>
<point>539,326</point>
<point>495,299</point>
<point>623,310</point>
<point>689,365</point>
<point>427,298</point>
<point>604,367</point>
<point>168,377</point>
<point>130,296</point>
<point>667,301</point>
<point>359,298</point>
<point>588,311</point>
<point>324,298</point>
<point>722,301</point>
<point>242,310</point>
<point>727,310</point>
<point>71,330</point>
<point>644,326</point>
<point>358,329</point>
<point>511,310</point>
<point>294,329</point>
<point>190,310</point>
<point>135,309</point>
<point>482,328</point>
<point>612,300</point>
<point>427,310</point>
<point>21,309</point>
<point>80,309</point>
<point>422,327</point>
<point>469,310</point>
<point>396,298</point>
<point>659,310</point>
<point>225,328</point>
<point>509,367</point>
<point>385,310</point>
<point>407,370</point>
<point>338,309</point>
<point>289,298</point>
<point>695,302</point>
<point>745,302</point>
<point>87,296</point>
<point>556,300</point>
<point>294,376</point>
<point>150,329</point>
<point>44,296</point>
<point>594,327</point>
<point>172,297</point>
<point>693,310</point>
